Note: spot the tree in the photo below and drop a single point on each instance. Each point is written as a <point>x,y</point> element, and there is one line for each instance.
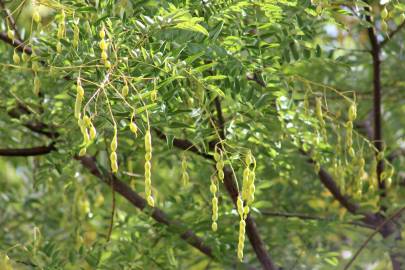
<point>159,135</point>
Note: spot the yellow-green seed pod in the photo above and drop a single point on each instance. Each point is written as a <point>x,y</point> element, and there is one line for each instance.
<point>148,166</point>
<point>16,58</point>
<point>107,64</point>
<point>148,141</point>
<point>93,132</point>
<point>245,211</point>
<point>78,105</point>
<point>151,201</point>
<point>213,188</point>
<point>185,178</point>
<point>58,47</point>
<point>125,90</point>
<point>114,164</point>
<point>184,164</point>
<point>148,156</point>
<point>351,152</point>
<point>80,90</point>
<point>87,121</point>
<point>248,158</point>
<point>220,165</point>
<point>10,34</point>
<point>36,16</point>
<point>114,141</point>
<point>113,156</point>
<point>104,55</point>
<point>239,204</point>
<point>37,85</point>
<point>61,30</point>
<point>352,113</point>
<point>103,45</point>
<point>134,128</point>
<point>217,156</point>
<point>101,33</point>
<point>214,226</point>
<point>25,57</point>
<point>221,175</point>
<point>82,152</point>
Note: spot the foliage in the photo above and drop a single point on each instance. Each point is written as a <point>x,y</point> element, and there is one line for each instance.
<point>184,100</point>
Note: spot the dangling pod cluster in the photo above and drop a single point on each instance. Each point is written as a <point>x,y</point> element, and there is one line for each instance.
<point>214,190</point>
<point>88,131</point>
<point>351,115</point>
<point>104,47</point>
<point>113,148</point>
<point>61,31</point>
<point>246,199</point>
<point>219,158</point>
<point>148,165</point>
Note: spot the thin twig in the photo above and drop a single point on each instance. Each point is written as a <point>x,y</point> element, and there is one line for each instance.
<point>392,34</point>
<point>377,230</point>
<point>26,152</point>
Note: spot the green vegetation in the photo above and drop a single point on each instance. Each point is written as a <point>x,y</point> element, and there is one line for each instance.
<point>188,134</point>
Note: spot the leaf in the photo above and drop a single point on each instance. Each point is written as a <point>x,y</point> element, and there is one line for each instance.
<point>216,89</point>
<point>192,27</point>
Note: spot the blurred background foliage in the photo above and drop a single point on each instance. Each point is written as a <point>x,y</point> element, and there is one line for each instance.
<point>267,62</point>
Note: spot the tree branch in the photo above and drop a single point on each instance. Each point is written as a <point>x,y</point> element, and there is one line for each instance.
<point>89,163</point>
<point>183,144</point>
<point>10,19</point>
<point>231,186</point>
<point>26,152</point>
<point>392,34</point>
<point>378,143</point>
<point>136,200</point>
<point>16,43</point>
<point>311,217</point>
<point>378,229</point>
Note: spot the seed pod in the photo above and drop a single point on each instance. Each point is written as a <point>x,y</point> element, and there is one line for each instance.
<point>16,58</point>
<point>10,34</point>
<point>101,33</point>
<point>104,55</point>
<point>37,85</point>
<point>76,34</point>
<point>134,128</point>
<point>114,164</point>
<point>114,141</point>
<point>242,226</point>
<point>80,90</point>
<point>217,156</point>
<point>107,64</point>
<point>125,90</point>
<point>214,226</point>
<point>352,113</point>
<point>25,57</point>
<point>239,204</point>
<point>36,16</point>
<point>78,105</point>
<point>103,45</point>
<point>213,188</point>
<point>93,132</point>
<point>82,152</point>
<point>148,141</point>
<point>58,47</point>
